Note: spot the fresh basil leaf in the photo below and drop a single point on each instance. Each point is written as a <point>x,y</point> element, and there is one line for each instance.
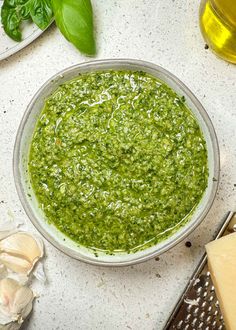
<point>11,3</point>
<point>74,18</point>
<point>13,12</point>
<point>24,10</point>
<point>41,13</point>
<point>11,21</point>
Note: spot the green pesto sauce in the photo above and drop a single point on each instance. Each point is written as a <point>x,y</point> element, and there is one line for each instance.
<point>117,161</point>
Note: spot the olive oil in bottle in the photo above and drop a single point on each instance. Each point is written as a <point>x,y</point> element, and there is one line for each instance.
<point>218,26</point>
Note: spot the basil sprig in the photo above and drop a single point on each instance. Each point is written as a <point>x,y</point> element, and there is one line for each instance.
<point>13,12</point>
<point>74,18</point>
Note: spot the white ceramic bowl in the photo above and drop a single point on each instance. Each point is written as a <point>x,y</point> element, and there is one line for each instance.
<point>27,196</point>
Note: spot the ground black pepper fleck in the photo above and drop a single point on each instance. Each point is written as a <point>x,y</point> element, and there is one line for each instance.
<point>188,244</point>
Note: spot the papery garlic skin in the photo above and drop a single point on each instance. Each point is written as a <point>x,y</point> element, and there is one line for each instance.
<point>20,251</point>
<point>39,272</point>
<point>16,302</point>
<point>10,326</point>
<point>7,228</point>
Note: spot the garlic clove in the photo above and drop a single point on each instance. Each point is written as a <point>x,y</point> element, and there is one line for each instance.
<point>8,288</point>
<point>17,264</point>
<point>19,253</point>
<point>23,303</point>
<point>24,245</point>
<point>15,303</point>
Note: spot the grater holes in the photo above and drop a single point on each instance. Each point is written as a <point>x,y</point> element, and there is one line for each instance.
<point>212,288</point>
<point>189,308</point>
<point>187,319</point>
<point>208,319</point>
<point>209,310</point>
<point>198,300</point>
<point>214,324</point>
<point>202,316</point>
<point>195,312</point>
<point>202,312</point>
<point>204,305</point>
<point>205,294</point>
<point>199,290</point>
<point>206,284</point>
<point>179,325</point>
<point>201,325</point>
<point>194,322</point>
<point>216,313</point>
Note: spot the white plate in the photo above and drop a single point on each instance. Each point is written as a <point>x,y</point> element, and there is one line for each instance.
<point>9,47</point>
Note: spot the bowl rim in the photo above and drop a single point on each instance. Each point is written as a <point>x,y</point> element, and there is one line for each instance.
<point>194,100</point>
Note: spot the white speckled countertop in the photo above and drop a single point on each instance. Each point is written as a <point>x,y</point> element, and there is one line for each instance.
<point>80,296</point>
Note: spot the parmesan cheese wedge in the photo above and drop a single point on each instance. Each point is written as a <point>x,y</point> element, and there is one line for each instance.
<point>221,255</point>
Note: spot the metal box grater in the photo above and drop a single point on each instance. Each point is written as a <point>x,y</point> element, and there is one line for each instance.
<point>198,307</point>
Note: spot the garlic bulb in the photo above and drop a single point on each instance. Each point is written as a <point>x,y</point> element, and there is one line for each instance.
<point>20,251</point>
<point>16,303</point>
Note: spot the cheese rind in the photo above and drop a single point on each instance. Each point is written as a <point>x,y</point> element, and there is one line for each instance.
<point>221,255</point>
